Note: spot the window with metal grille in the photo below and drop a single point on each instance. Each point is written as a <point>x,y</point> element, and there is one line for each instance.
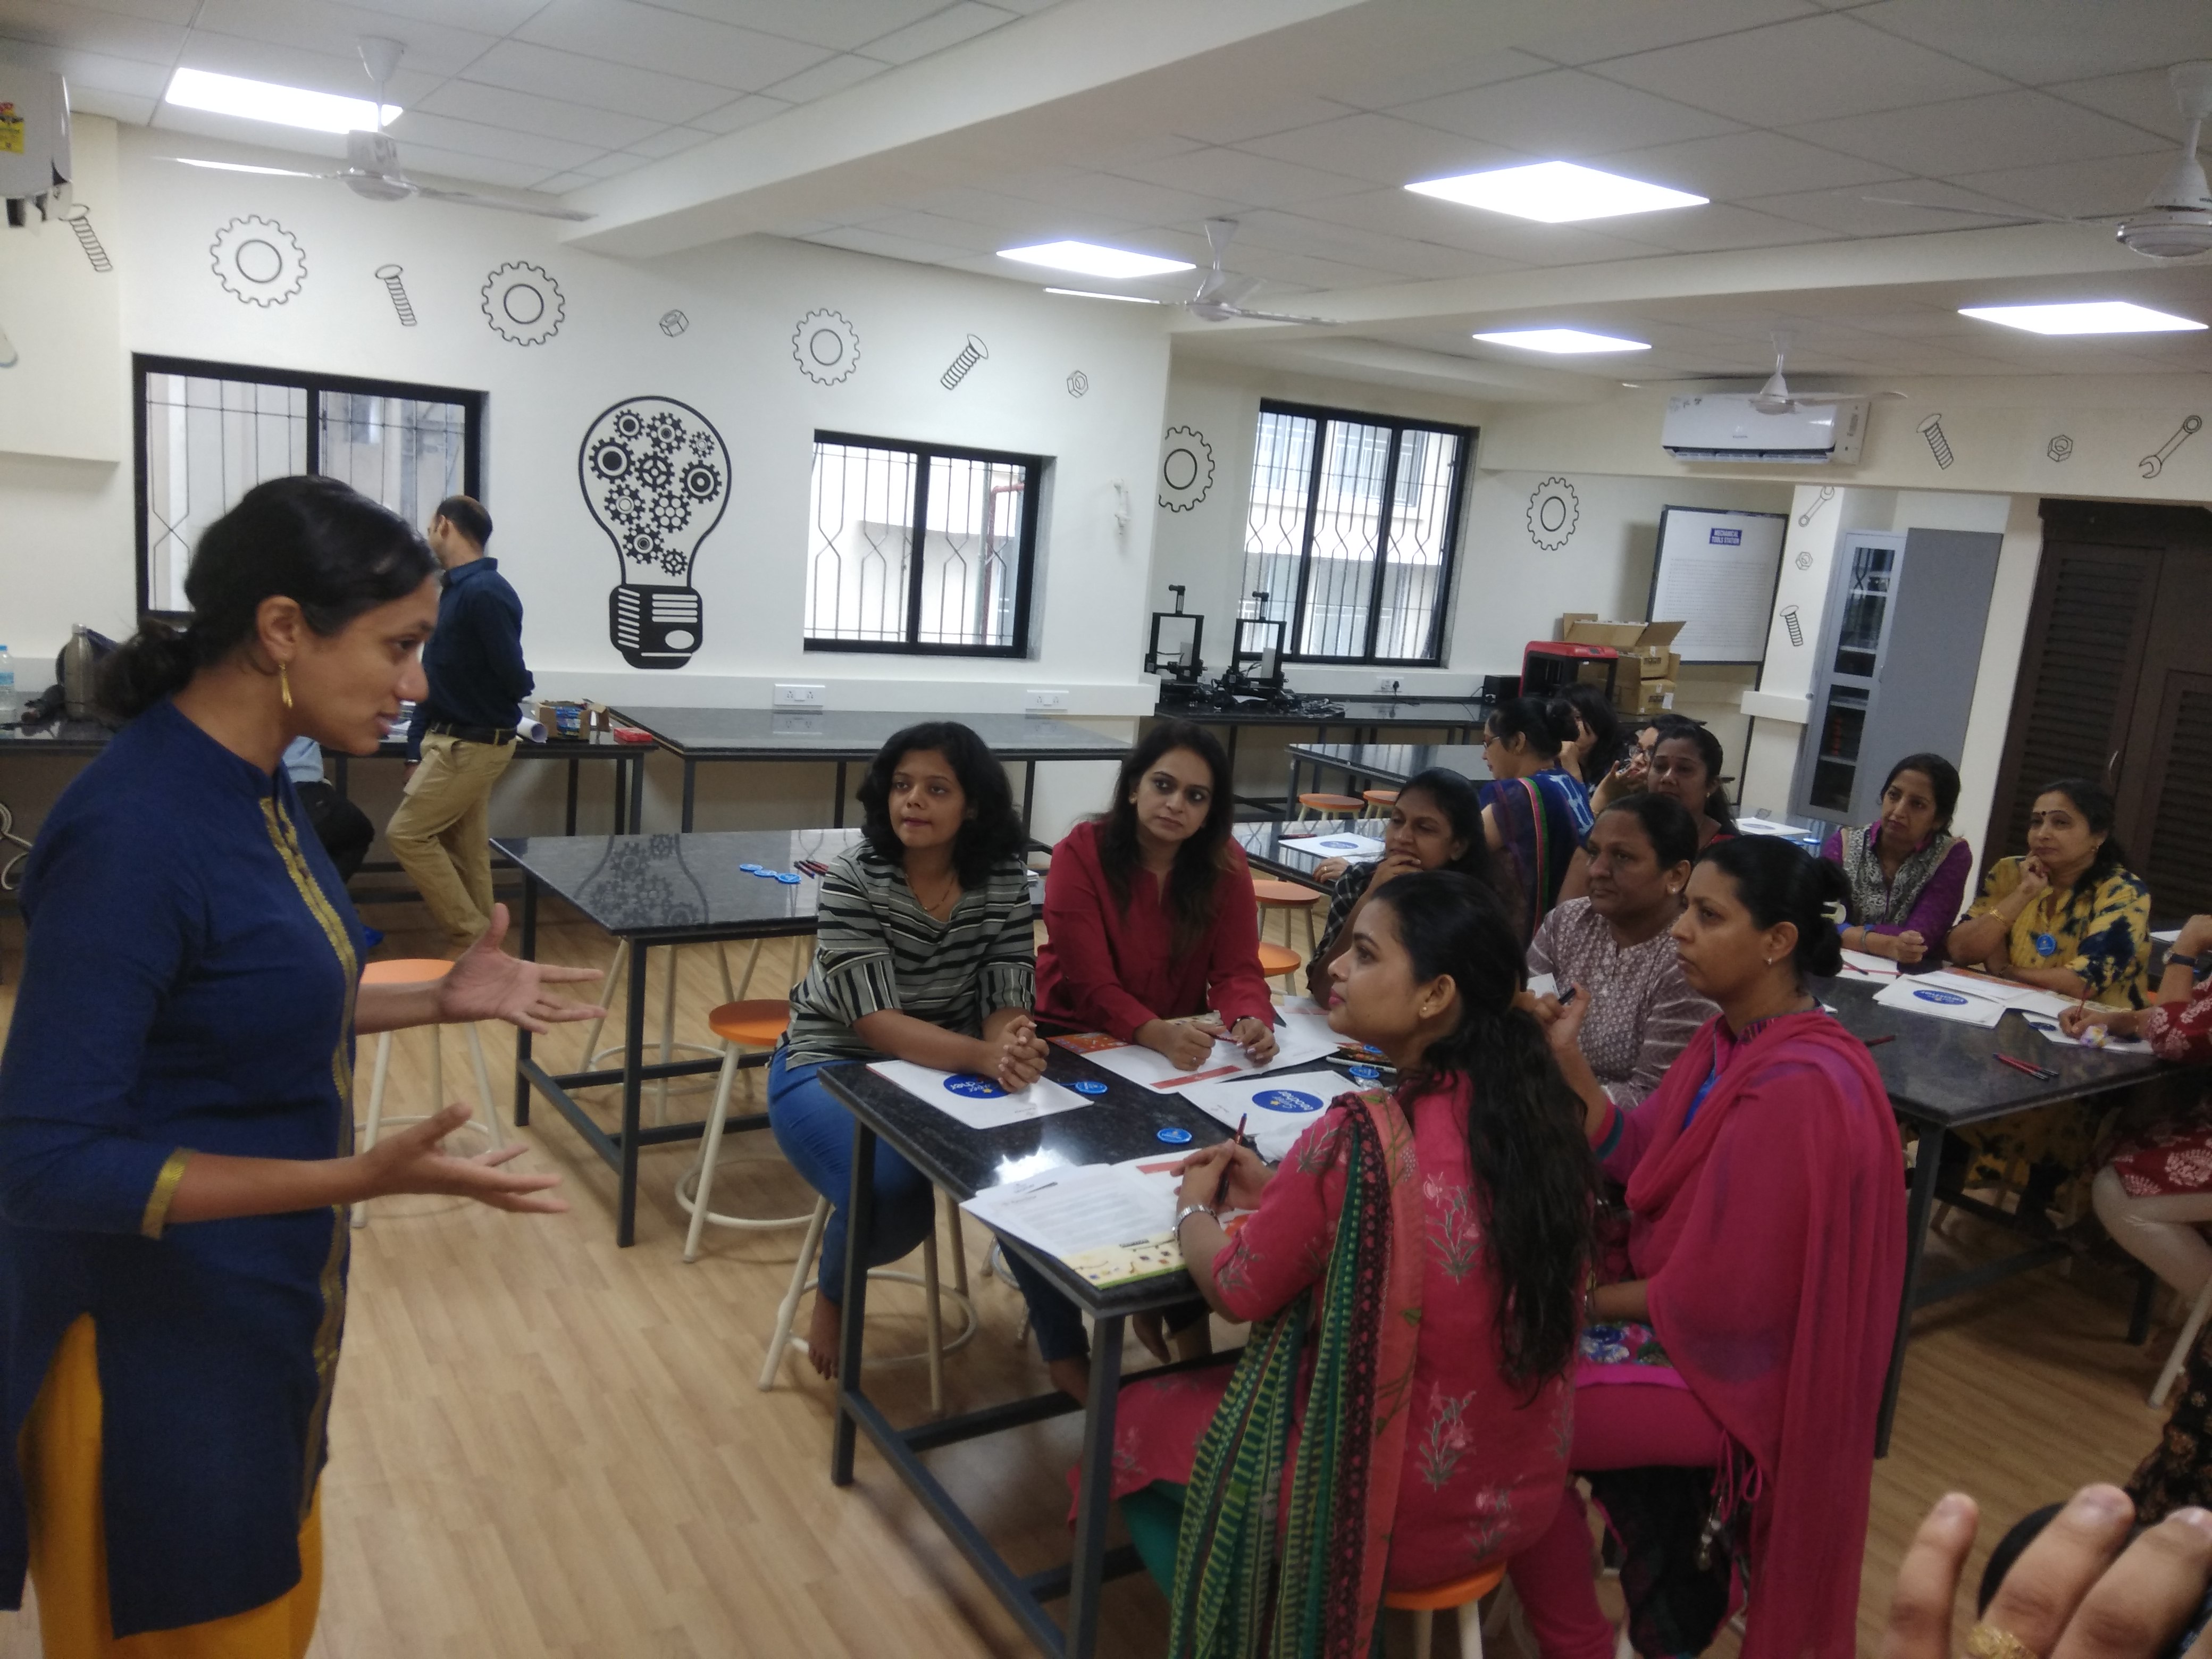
<point>1350,532</point>
<point>207,432</point>
<point>918,548</point>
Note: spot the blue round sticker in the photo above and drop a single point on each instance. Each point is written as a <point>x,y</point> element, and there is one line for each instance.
<point>787,880</point>
<point>1173,1136</point>
<point>976,1088</point>
<point>2045,945</point>
<point>1337,844</point>
<point>1949,998</point>
<point>1088,1086</point>
<point>1364,1073</point>
<point>750,869</point>
<point>1287,1100</point>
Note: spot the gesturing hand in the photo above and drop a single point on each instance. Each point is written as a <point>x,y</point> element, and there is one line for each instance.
<point>1563,1021</point>
<point>487,984</point>
<point>2067,1597</point>
<point>412,1161</point>
<point>1201,1176</point>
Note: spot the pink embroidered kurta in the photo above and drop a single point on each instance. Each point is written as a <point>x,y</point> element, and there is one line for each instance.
<point>1486,1462</point>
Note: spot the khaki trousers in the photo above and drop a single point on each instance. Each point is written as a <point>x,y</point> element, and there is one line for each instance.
<point>441,832</point>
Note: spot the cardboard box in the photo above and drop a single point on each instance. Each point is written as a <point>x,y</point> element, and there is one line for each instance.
<point>1649,642</point>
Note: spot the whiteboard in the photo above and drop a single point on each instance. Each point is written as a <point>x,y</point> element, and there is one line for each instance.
<point>1716,571</point>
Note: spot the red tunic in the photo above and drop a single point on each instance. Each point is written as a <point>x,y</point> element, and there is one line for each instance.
<point>1110,970</point>
<point>1484,1461</point>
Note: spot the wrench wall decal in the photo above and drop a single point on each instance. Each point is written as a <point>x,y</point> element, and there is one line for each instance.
<point>2182,434</point>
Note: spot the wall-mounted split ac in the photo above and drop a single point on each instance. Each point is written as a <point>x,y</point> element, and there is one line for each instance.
<point>1726,427</point>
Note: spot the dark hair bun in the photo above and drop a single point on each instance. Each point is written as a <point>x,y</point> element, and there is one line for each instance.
<point>1779,882</point>
<point>158,661</point>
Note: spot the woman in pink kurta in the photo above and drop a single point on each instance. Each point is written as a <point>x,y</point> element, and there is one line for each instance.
<point>1482,1250</point>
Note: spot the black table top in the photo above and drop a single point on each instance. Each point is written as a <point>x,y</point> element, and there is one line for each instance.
<point>1368,710</point>
<point>1395,763</point>
<point>1120,1125</point>
<point>675,890</point>
<point>92,737</point>
<point>1944,1072</point>
<point>853,734</point>
<point>1264,849</point>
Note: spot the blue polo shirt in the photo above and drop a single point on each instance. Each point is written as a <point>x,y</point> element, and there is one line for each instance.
<point>474,659</point>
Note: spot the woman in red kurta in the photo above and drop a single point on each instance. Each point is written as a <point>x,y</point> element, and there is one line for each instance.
<point>1154,939</point>
<point>1461,1288</point>
<point>1748,1338</point>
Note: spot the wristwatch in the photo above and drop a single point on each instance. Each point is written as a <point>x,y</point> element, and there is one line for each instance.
<point>1188,1210</point>
<point>2175,959</point>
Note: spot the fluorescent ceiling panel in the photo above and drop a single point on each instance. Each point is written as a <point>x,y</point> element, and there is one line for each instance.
<point>1556,192</point>
<point>1092,260</point>
<point>1087,294</point>
<point>2084,317</point>
<point>1563,340</point>
<point>264,101</point>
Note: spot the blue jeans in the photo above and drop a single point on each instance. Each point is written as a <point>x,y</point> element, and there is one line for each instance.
<point>816,1134</point>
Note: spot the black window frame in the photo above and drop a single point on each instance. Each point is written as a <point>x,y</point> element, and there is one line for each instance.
<point>1294,623</point>
<point>924,451</point>
<point>314,383</point>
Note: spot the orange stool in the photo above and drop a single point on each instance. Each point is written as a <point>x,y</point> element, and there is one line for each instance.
<point>1379,797</point>
<point>741,1025</point>
<point>1292,898</point>
<point>1328,805</point>
<point>1277,960</point>
<point>1464,1594</point>
<point>420,970</point>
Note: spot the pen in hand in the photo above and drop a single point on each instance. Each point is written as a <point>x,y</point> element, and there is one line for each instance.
<point>1221,1187</point>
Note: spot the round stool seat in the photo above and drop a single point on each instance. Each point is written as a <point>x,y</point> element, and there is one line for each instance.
<point>1321,802</point>
<point>1457,1593</point>
<point>757,1023</point>
<point>1281,892</point>
<point>1277,959</point>
<point>406,970</point>
<point>1379,797</point>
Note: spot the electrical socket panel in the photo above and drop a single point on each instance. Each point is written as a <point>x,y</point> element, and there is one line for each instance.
<point>1040,701</point>
<point>1390,685</point>
<point>798,696</point>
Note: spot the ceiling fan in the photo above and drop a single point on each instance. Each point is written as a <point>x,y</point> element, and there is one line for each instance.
<point>1776,397</point>
<point>373,169</point>
<point>2176,222</point>
<point>1219,295</point>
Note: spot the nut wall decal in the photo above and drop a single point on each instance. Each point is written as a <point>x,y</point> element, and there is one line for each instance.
<point>1186,469</point>
<point>1554,510</point>
<point>673,323</point>
<point>523,303</point>
<point>826,346</point>
<point>2059,447</point>
<point>257,261</point>
<point>1078,383</point>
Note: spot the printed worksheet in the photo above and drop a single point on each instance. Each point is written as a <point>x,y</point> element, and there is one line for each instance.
<point>1275,1110</point>
<point>1297,1044</point>
<point>1356,849</point>
<point>978,1102</point>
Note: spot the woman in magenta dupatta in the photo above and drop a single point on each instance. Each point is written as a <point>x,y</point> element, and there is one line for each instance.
<point>1766,1257</point>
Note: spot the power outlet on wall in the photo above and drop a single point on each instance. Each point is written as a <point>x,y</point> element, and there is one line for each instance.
<point>1390,686</point>
<point>798,696</point>
<point>1036,701</point>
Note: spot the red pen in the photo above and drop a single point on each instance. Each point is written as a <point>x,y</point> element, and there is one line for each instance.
<point>2043,1072</point>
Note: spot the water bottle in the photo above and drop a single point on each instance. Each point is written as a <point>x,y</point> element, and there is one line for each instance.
<point>10,705</point>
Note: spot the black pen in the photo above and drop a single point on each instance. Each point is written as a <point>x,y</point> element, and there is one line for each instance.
<point>1221,1188</point>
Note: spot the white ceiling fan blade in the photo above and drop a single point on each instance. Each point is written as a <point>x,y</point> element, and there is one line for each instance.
<point>1982,213</point>
<point>240,166</point>
<point>1233,291</point>
<point>1238,313</point>
<point>470,198</point>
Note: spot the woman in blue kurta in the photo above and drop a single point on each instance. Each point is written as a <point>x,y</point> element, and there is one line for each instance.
<point>1531,812</point>
<point>176,1120</point>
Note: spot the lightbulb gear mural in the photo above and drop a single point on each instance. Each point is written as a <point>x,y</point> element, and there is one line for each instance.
<point>656,477</point>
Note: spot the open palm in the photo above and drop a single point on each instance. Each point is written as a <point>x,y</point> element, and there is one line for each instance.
<point>487,984</point>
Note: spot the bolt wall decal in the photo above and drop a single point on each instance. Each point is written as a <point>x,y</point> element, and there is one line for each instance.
<point>972,354</point>
<point>389,276</point>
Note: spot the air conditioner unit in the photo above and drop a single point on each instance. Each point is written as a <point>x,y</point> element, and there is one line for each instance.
<point>1725,426</point>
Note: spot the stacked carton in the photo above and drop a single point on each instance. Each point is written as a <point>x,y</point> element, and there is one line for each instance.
<point>1646,681</point>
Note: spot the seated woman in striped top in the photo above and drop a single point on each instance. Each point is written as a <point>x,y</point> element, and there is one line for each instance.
<point>923,953</point>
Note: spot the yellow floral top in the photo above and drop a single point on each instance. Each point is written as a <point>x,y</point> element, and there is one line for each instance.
<point>2101,932</point>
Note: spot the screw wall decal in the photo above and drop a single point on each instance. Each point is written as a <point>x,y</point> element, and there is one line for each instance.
<point>972,354</point>
<point>1790,620</point>
<point>80,221</point>
<point>1938,445</point>
<point>389,276</point>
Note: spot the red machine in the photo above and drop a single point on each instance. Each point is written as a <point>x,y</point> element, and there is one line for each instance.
<point>1550,666</point>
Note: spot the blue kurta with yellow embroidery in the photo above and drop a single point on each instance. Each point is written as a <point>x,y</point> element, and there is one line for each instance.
<point>188,985</point>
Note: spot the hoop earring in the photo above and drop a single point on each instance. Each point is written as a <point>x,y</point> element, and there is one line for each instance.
<point>284,684</point>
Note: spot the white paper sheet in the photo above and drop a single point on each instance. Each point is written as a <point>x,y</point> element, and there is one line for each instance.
<point>1916,997</point>
<point>977,1102</point>
<point>1078,1207</point>
<point>1297,1043</point>
<point>2168,936</point>
<point>2030,998</point>
<point>1359,850</point>
<point>2119,1045</point>
<point>1543,985</point>
<point>1861,964</point>
<point>1277,1109</point>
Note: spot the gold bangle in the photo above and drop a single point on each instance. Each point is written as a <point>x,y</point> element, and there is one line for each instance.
<point>1988,1642</point>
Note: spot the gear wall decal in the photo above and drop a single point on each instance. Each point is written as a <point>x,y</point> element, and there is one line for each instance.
<point>257,261</point>
<point>656,476</point>
<point>1554,510</point>
<point>826,346</point>
<point>1186,469</point>
<point>523,303</point>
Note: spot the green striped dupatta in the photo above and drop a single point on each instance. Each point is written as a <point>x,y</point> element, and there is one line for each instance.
<point>1235,1596</point>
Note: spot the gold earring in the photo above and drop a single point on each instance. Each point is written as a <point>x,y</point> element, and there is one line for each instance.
<point>284,684</point>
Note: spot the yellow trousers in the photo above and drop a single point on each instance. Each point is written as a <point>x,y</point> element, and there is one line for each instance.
<point>441,834</point>
<point>60,1456</point>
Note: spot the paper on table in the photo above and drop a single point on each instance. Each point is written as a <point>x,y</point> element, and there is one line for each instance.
<point>1864,965</point>
<point>2119,1045</point>
<point>1295,1045</point>
<point>1357,848</point>
<point>1917,998</point>
<point>2168,936</point>
<point>1110,1223</point>
<point>1991,989</point>
<point>977,1100</point>
<point>1275,1110</point>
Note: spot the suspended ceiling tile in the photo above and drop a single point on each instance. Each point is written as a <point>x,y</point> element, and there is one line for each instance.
<point>561,183</point>
<point>858,238</point>
<point>1737,165</point>
<point>178,12</point>
<point>2142,98</point>
<point>492,17</point>
<point>338,70</point>
<point>1450,67</point>
<point>748,111</point>
<point>839,25</point>
<point>49,24</point>
<point>1383,149</point>
<point>2112,186</point>
<point>611,166</point>
<point>669,42</point>
<point>123,78</point>
<point>1276,268</point>
<point>1256,118</point>
<point>669,141</point>
<point>1849,212</point>
<point>1813,70</point>
<point>1130,200</point>
<point>416,128</point>
<point>1565,112</point>
<point>831,75</point>
<point>136,109</point>
<point>949,28</point>
<point>527,68</point>
<point>1291,232</point>
<point>1651,28</point>
<point>1718,227</point>
<point>432,48</point>
<point>1425,219</point>
<point>936,228</point>
<point>1240,177</point>
<point>2041,40</point>
<point>1974,135</point>
<point>456,164</point>
<point>527,113</point>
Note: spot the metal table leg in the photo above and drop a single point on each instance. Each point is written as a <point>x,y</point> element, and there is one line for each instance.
<point>1029,791</point>
<point>637,794</point>
<point>633,1090</point>
<point>838,809</point>
<point>1928,1156</point>
<point>521,1033</point>
<point>859,1223</point>
<point>575,777</point>
<point>1094,1493</point>
<point>690,789</point>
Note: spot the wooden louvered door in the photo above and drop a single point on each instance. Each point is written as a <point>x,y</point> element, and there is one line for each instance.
<point>2171,809</point>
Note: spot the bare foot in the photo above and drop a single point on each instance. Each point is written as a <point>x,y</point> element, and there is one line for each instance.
<point>1071,1377</point>
<point>822,1333</point>
<point>1196,1342</point>
<point>1150,1330</point>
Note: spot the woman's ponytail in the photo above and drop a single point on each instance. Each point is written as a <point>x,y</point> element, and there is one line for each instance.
<point>158,661</point>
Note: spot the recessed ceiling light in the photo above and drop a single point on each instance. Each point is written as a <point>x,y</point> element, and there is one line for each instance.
<point>2086,317</point>
<point>1087,294</point>
<point>1093,260</point>
<point>264,101</point>
<point>1556,192</point>
<point>1563,340</point>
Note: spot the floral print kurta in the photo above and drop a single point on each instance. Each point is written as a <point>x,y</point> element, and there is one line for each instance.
<point>1486,1462</point>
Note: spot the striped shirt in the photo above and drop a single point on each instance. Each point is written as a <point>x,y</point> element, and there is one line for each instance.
<point>1642,1012</point>
<point>878,952</point>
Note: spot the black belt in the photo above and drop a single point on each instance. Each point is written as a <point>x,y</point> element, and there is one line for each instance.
<point>492,734</point>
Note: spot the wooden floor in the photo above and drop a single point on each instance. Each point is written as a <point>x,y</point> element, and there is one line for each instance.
<point>545,1446</point>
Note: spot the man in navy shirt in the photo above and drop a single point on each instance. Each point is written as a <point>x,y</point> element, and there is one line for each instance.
<point>464,729</point>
